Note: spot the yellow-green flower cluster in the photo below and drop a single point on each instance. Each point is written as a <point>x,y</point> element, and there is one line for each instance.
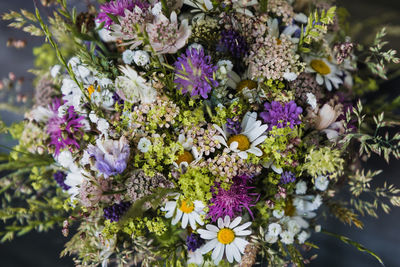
<point>324,160</point>
<point>274,90</point>
<point>135,227</point>
<point>196,183</point>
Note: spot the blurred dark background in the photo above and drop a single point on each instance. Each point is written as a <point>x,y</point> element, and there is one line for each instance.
<point>382,235</point>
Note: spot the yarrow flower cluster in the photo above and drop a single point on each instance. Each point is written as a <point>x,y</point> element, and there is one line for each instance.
<point>195,132</point>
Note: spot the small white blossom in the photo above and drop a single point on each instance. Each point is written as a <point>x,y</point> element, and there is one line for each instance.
<point>303,236</point>
<point>311,100</point>
<point>65,159</point>
<point>128,56</point>
<point>274,229</point>
<point>103,126</point>
<point>293,227</point>
<point>317,228</point>
<point>55,70</point>
<point>156,10</point>
<point>321,182</point>
<point>144,145</point>
<point>301,188</point>
<point>317,202</point>
<point>290,76</point>
<point>141,58</point>
<point>278,213</point>
<point>93,117</point>
<point>287,237</point>
<point>196,46</point>
<point>270,239</point>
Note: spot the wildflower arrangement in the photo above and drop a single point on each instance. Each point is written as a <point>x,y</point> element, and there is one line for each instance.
<point>196,132</point>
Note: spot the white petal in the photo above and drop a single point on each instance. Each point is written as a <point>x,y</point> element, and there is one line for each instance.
<point>212,228</point>
<point>255,150</point>
<point>243,233</point>
<point>235,222</point>
<point>177,217</point>
<point>221,254</point>
<point>242,227</point>
<point>185,220</point>
<point>227,221</point>
<point>207,234</point>
<point>234,145</point>
<point>220,139</point>
<point>209,246</point>
<point>196,218</point>
<point>220,130</point>
<point>257,132</point>
<point>259,140</point>
<point>276,169</point>
<point>320,80</point>
<point>240,243</point>
<point>243,154</point>
<point>229,252</point>
<point>220,223</point>
<point>236,253</point>
<point>217,251</point>
<point>328,84</point>
<point>192,221</point>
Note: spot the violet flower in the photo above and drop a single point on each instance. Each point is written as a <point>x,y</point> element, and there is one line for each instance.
<point>281,114</point>
<point>110,155</point>
<point>64,131</point>
<point>195,73</point>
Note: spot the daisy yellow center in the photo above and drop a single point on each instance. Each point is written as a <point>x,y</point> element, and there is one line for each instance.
<point>243,141</point>
<point>320,66</point>
<point>226,236</point>
<point>91,89</point>
<point>246,83</point>
<point>185,157</point>
<point>186,207</point>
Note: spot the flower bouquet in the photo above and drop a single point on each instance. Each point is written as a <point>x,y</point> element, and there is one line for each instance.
<point>196,132</point>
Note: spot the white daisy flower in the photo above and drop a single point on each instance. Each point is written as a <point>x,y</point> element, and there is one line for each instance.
<point>247,141</point>
<point>226,239</point>
<point>187,212</point>
<point>190,155</point>
<point>144,144</point>
<point>326,72</point>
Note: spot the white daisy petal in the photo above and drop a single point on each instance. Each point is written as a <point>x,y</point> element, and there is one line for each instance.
<point>192,221</point>
<point>242,227</point>
<point>220,223</point>
<point>227,221</point>
<point>209,246</point>
<point>241,243</point>
<point>221,254</point>
<point>207,234</point>
<point>219,129</point>
<point>236,253</point>
<point>259,140</point>
<point>235,222</point>
<point>256,151</point>
<point>212,228</point>
<point>185,220</point>
<point>243,154</point>
<point>229,253</point>
<point>220,139</point>
<point>257,132</point>
<point>177,217</point>
<point>319,79</point>
<point>234,145</point>
<point>217,250</point>
<point>243,233</point>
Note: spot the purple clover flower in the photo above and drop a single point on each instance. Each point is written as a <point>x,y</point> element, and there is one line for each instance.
<point>64,130</point>
<point>194,73</point>
<point>59,176</point>
<point>288,177</point>
<point>193,242</point>
<point>116,211</point>
<point>111,156</point>
<point>231,202</point>
<point>281,114</point>
<point>117,8</point>
<point>231,41</point>
<point>233,126</point>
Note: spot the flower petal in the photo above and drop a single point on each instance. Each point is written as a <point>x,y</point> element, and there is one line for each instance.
<point>209,246</point>
<point>207,234</point>
<point>235,222</point>
<point>240,243</point>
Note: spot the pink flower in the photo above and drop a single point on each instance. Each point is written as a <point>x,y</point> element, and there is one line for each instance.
<point>166,36</point>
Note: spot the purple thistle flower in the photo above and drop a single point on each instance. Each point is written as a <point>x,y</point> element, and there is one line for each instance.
<point>281,114</point>
<point>117,8</point>
<point>111,155</point>
<point>59,176</point>
<point>194,73</point>
<point>231,41</point>
<point>116,211</point>
<point>193,242</point>
<point>64,130</point>
<point>233,126</point>
<point>231,202</point>
<point>288,177</point>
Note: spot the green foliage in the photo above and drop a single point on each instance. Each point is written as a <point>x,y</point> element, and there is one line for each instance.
<point>317,26</point>
<point>24,20</point>
<point>377,60</point>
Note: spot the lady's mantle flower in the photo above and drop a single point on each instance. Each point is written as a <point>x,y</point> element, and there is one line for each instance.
<point>117,8</point>
<point>65,130</point>
<point>231,202</point>
<point>194,73</point>
<point>188,211</point>
<point>111,155</point>
<point>226,239</point>
<point>247,140</point>
<point>281,114</point>
<point>132,87</point>
<point>166,36</point>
